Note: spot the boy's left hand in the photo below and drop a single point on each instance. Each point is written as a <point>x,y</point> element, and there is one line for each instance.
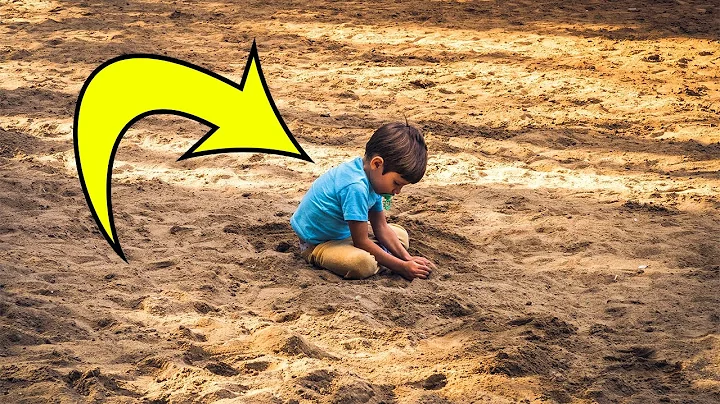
<point>423,261</point>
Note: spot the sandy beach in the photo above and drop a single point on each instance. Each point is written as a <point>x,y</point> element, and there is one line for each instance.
<point>570,203</point>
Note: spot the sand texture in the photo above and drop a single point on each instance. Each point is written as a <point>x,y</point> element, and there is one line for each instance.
<point>570,203</point>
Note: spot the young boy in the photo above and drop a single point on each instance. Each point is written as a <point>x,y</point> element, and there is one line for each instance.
<point>331,220</point>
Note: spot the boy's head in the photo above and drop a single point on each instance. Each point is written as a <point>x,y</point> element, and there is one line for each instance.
<point>395,148</point>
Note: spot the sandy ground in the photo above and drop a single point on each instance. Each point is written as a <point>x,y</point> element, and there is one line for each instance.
<point>570,204</point>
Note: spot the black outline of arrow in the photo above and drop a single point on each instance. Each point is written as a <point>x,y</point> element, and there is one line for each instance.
<point>188,154</point>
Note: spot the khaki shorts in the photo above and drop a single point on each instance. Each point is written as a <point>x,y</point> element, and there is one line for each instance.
<point>344,259</point>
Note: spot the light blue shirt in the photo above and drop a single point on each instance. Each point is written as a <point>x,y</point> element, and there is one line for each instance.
<point>341,194</point>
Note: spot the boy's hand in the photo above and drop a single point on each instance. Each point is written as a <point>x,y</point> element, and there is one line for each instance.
<point>424,261</point>
<point>416,268</point>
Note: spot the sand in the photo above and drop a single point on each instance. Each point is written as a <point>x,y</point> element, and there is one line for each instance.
<point>570,204</point>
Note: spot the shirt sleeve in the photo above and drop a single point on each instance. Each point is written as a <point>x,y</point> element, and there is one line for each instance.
<point>354,202</point>
<point>378,206</point>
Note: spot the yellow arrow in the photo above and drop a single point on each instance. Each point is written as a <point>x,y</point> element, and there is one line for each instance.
<point>242,118</point>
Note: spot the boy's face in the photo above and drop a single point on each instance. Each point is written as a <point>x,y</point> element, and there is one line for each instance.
<point>388,183</point>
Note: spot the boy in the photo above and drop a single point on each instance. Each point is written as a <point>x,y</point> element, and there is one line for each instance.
<point>331,220</point>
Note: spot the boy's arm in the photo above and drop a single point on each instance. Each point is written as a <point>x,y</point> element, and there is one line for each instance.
<point>389,239</point>
<point>407,269</point>
<point>387,236</point>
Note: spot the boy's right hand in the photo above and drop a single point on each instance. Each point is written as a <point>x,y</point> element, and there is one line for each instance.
<point>414,269</point>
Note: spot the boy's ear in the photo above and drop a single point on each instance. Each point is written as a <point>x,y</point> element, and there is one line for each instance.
<point>376,162</point>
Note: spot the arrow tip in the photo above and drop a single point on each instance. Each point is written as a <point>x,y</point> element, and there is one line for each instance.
<point>118,250</point>
<point>256,126</point>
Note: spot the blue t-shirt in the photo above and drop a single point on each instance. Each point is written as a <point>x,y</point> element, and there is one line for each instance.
<point>341,194</point>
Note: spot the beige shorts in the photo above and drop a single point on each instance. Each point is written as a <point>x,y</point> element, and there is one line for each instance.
<point>344,259</point>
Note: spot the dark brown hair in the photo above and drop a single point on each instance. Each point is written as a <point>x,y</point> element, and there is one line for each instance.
<point>402,148</point>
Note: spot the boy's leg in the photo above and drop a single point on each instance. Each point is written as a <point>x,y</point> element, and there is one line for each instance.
<point>343,259</point>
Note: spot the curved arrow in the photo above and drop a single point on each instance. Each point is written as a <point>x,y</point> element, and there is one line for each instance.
<point>123,90</point>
